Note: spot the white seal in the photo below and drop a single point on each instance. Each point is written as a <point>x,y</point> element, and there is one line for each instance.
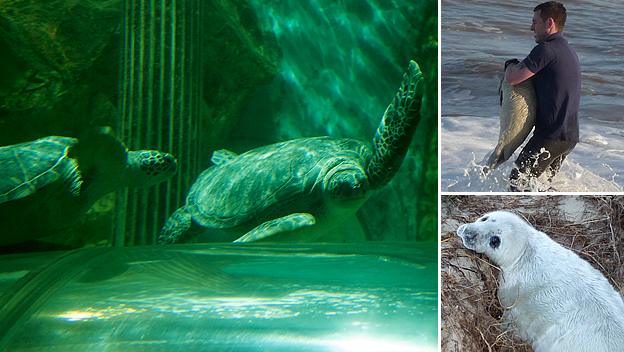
<point>517,118</point>
<point>553,299</point>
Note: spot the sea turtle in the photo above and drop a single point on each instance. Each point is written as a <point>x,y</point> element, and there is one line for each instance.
<point>280,190</point>
<point>46,184</point>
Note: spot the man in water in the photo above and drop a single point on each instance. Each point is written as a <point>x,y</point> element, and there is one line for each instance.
<point>556,73</point>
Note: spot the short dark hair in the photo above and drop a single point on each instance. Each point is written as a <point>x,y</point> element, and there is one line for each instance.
<point>554,10</point>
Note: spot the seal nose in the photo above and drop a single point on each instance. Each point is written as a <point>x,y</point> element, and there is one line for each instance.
<point>466,233</point>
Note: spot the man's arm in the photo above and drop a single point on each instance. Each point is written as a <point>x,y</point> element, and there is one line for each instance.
<point>517,73</point>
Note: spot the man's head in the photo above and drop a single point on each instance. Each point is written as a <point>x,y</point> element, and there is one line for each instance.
<point>548,18</point>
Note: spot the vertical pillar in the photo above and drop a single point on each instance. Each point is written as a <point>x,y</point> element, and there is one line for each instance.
<point>159,100</point>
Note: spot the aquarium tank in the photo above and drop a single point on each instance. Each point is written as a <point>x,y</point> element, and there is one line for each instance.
<point>131,131</point>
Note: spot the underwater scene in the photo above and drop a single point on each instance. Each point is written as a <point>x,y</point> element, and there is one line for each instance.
<point>218,175</point>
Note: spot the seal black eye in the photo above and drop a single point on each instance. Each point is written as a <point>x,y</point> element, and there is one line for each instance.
<point>483,219</point>
<point>494,242</point>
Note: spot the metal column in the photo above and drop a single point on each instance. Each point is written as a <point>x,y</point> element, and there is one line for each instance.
<point>159,103</point>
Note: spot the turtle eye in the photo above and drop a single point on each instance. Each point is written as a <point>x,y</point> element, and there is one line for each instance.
<point>495,242</point>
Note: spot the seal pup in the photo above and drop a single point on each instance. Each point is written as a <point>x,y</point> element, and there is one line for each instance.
<point>517,118</point>
<point>553,299</point>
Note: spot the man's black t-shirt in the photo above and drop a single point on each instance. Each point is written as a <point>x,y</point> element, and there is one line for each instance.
<point>557,83</point>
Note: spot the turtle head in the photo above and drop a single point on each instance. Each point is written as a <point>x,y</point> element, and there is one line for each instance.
<point>149,167</point>
<point>346,181</point>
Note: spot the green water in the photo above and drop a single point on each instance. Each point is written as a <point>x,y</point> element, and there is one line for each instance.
<point>340,64</point>
<point>223,298</point>
<point>191,77</point>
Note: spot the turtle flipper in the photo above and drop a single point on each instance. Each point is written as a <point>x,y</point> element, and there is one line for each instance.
<point>286,223</point>
<point>102,158</point>
<point>396,128</point>
<point>176,228</point>
<point>223,156</point>
<point>107,165</point>
<point>99,149</point>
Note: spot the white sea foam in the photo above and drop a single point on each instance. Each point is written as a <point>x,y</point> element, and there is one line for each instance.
<point>591,167</point>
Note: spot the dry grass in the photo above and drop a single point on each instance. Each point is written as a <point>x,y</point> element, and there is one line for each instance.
<point>470,309</point>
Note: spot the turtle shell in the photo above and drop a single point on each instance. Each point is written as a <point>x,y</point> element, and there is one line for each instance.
<point>270,181</point>
<point>30,166</point>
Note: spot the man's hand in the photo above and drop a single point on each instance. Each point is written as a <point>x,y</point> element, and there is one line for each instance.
<point>511,61</point>
<point>516,72</point>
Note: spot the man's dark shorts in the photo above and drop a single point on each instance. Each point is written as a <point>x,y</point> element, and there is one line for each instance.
<point>533,161</point>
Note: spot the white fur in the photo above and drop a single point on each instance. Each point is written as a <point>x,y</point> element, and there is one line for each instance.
<point>553,299</point>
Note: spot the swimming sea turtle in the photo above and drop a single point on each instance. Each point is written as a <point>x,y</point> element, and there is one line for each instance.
<point>285,187</point>
<point>46,184</point>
